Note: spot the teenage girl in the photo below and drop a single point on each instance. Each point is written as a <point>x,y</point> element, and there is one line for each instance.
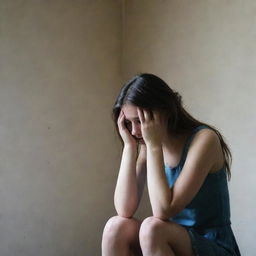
<point>186,164</point>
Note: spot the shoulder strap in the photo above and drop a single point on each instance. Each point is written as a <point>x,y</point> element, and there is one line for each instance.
<point>188,142</point>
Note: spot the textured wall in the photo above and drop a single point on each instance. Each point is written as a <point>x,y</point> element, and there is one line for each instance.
<point>206,50</point>
<point>60,70</point>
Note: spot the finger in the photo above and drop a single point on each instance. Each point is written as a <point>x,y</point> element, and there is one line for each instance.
<point>156,116</point>
<point>120,116</point>
<point>148,115</point>
<point>141,115</point>
<point>121,120</point>
<point>121,112</point>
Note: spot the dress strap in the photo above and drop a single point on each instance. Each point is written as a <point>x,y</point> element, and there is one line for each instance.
<point>188,142</point>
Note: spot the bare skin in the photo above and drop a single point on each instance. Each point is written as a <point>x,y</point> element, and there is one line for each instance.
<point>124,235</point>
<point>121,237</point>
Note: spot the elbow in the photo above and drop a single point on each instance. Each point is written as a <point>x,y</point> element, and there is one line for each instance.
<point>124,214</point>
<point>168,213</point>
<point>161,214</point>
<point>161,217</point>
<point>126,210</point>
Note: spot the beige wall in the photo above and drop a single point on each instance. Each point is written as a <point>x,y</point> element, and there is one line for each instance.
<point>60,70</point>
<point>206,51</point>
<point>61,66</point>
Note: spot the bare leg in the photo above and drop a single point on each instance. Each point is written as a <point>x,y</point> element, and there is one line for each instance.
<point>121,237</point>
<point>164,238</point>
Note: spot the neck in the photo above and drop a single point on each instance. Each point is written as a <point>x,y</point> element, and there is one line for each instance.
<point>173,145</point>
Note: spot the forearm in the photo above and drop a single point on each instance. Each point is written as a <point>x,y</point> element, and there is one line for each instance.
<point>159,192</point>
<point>126,191</point>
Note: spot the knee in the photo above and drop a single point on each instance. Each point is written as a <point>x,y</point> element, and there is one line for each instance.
<point>151,230</point>
<point>154,231</point>
<point>121,228</point>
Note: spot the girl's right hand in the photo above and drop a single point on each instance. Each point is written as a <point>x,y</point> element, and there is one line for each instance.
<point>128,139</point>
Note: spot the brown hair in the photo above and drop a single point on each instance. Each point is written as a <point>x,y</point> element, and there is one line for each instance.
<point>150,92</point>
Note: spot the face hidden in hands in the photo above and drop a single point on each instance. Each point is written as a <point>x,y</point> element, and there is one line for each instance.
<point>132,122</point>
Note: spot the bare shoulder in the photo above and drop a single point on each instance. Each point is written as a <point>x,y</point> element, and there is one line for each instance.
<point>207,140</point>
<point>206,135</point>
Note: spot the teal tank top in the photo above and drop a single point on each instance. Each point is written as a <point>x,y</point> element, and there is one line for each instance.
<point>207,216</point>
<point>210,207</point>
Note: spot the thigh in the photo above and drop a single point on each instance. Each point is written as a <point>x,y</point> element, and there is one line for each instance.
<point>176,236</point>
<point>179,239</point>
<point>135,245</point>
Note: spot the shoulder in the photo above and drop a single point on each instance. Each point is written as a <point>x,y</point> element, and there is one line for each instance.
<point>205,136</point>
<point>200,159</point>
<point>205,143</point>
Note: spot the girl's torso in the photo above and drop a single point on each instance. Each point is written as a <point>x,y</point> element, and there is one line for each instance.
<point>207,216</point>
<point>210,207</point>
<point>174,160</point>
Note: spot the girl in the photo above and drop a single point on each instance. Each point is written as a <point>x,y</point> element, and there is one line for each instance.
<point>186,164</point>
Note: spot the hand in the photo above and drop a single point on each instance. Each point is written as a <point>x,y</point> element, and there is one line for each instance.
<point>126,136</point>
<point>153,127</point>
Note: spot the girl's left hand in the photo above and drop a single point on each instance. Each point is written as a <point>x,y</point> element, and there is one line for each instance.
<point>153,127</point>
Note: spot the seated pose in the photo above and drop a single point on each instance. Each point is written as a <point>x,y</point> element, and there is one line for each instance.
<point>186,164</point>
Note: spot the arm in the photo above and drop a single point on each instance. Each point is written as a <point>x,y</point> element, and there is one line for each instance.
<point>131,177</point>
<point>130,182</point>
<point>141,171</point>
<point>201,157</point>
<point>125,197</point>
<point>159,192</point>
<point>167,202</point>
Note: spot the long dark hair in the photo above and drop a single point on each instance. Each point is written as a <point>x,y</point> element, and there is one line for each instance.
<point>151,93</point>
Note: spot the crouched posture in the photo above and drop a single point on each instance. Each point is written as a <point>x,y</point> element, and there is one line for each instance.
<point>185,164</point>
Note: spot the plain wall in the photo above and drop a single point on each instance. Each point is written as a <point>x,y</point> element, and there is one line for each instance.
<point>60,71</point>
<point>61,66</point>
<point>206,51</point>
